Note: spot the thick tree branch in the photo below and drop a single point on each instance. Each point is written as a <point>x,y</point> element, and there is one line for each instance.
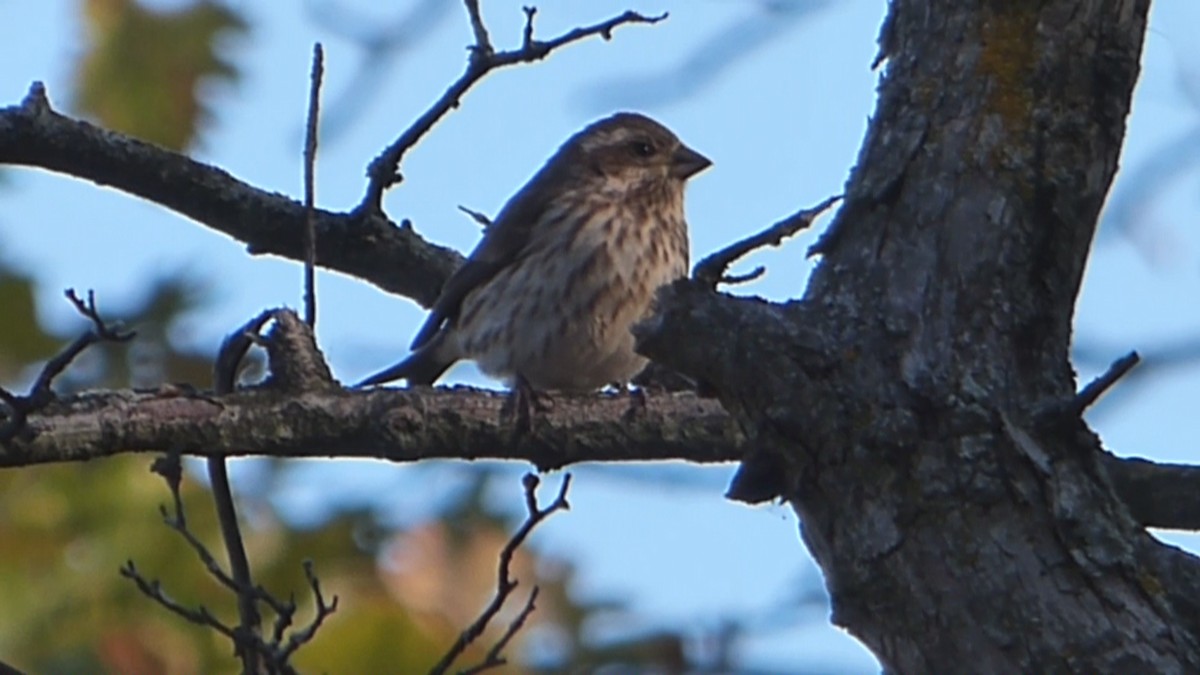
<point>1157,494</point>
<point>395,424</point>
<point>458,423</point>
<point>370,247</point>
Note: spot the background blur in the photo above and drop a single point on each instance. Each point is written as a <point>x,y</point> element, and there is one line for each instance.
<point>651,567</point>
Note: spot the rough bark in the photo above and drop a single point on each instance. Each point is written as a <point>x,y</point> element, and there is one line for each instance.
<point>393,424</point>
<point>955,523</point>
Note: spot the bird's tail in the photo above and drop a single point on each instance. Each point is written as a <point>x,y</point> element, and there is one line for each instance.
<point>423,366</point>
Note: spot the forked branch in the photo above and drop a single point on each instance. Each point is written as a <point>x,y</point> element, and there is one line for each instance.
<point>505,584</point>
<point>383,170</point>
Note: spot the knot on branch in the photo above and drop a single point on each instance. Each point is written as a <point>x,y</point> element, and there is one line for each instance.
<point>294,359</point>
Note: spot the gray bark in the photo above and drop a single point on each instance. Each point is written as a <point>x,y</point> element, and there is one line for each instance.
<point>959,526</point>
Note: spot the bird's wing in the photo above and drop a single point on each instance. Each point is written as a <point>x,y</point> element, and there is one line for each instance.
<point>502,243</point>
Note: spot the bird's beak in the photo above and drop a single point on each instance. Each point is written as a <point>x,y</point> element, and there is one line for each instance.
<point>686,163</point>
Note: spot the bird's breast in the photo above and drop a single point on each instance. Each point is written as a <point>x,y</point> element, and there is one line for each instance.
<point>561,314</point>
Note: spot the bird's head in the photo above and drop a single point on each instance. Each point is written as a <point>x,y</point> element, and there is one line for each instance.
<point>632,152</point>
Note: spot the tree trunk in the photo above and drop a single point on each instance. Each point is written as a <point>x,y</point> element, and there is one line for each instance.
<point>916,395</point>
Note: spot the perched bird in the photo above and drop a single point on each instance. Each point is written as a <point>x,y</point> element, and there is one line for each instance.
<point>547,298</point>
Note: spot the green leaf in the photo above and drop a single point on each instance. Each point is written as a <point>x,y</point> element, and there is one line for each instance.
<point>140,72</point>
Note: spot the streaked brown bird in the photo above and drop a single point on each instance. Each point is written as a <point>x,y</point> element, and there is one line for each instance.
<point>548,296</point>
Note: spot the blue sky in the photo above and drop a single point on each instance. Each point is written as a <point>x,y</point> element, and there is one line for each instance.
<point>777,93</point>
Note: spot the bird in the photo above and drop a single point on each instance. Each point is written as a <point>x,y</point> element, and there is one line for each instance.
<point>573,260</point>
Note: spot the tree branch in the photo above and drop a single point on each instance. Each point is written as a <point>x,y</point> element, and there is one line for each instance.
<point>483,59</point>
<point>252,647</point>
<point>396,424</point>
<point>505,584</point>
<point>310,185</point>
<point>712,269</point>
<point>369,247</point>
<point>17,408</point>
<point>457,423</point>
<point>1157,494</point>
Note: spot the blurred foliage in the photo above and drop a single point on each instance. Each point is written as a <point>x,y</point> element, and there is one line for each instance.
<point>66,530</point>
<point>22,339</point>
<point>141,69</point>
<point>405,594</point>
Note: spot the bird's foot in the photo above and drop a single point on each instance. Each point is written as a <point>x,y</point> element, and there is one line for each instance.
<point>638,398</point>
<point>522,402</point>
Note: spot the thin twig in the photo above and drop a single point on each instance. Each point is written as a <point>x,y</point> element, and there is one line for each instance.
<point>477,216</point>
<point>101,332</point>
<point>41,394</point>
<point>504,583</point>
<point>1067,411</point>
<point>170,468</point>
<point>711,270</point>
<point>483,43</point>
<point>225,369</point>
<point>323,610</point>
<point>283,618</point>
<point>527,34</point>
<point>153,589</point>
<point>735,279</point>
<point>383,170</point>
<point>493,659</point>
<point>310,171</point>
<point>1097,387</point>
<point>274,654</point>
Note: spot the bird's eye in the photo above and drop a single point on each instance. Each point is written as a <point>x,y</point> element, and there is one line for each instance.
<point>642,148</point>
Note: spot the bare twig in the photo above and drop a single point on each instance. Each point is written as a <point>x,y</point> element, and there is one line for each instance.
<point>153,589</point>
<point>504,583</point>
<point>310,170</point>
<point>170,468</point>
<point>711,270</point>
<point>735,279</point>
<point>482,41</point>
<point>1096,388</point>
<point>275,653</point>
<point>323,610</point>
<point>225,369</point>
<point>527,33</point>
<point>477,216</point>
<point>40,395</point>
<point>383,170</point>
<point>493,659</point>
<point>1068,410</point>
